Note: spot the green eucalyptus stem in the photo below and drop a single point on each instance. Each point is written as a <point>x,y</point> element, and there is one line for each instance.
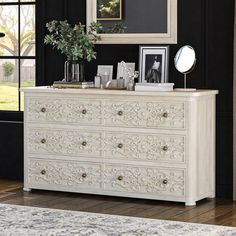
<point>72,41</point>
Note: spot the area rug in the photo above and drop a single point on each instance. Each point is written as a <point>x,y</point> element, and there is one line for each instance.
<point>27,221</point>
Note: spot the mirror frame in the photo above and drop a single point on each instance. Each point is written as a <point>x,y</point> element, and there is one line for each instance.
<point>156,38</point>
<point>193,65</point>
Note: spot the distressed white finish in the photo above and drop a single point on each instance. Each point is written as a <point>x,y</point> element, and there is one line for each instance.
<point>155,38</point>
<point>64,110</point>
<point>129,146</point>
<point>144,114</point>
<point>133,144</point>
<point>64,142</point>
<point>146,180</point>
<point>136,146</point>
<point>68,174</point>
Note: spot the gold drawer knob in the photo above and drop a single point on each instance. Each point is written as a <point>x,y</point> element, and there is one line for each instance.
<point>84,175</point>
<point>165,148</point>
<point>43,110</point>
<point>120,113</point>
<point>165,181</point>
<point>43,172</point>
<point>84,111</point>
<point>120,178</point>
<point>84,143</point>
<point>43,140</point>
<point>120,145</point>
<point>165,115</point>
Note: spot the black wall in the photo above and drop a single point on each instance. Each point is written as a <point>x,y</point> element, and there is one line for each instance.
<point>207,25</point>
<point>11,150</point>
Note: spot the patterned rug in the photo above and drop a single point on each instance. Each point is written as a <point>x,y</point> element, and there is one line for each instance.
<point>27,221</point>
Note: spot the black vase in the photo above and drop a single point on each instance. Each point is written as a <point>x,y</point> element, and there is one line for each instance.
<point>74,71</point>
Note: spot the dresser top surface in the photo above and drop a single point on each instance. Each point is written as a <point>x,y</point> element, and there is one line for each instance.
<point>47,89</point>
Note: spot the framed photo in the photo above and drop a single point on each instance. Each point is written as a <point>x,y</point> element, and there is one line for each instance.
<point>103,70</point>
<point>109,10</point>
<point>121,72</point>
<point>153,64</point>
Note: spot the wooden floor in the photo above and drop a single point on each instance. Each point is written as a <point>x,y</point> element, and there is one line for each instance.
<point>218,211</point>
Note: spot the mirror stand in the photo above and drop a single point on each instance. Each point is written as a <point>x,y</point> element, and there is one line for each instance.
<point>185,80</point>
<point>185,61</point>
<point>185,89</point>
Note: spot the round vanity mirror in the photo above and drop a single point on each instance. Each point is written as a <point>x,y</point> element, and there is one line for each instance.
<point>185,61</point>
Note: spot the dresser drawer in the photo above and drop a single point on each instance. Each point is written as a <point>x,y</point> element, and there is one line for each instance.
<point>144,180</point>
<point>145,147</point>
<point>145,114</point>
<point>74,110</point>
<point>63,174</point>
<point>69,142</point>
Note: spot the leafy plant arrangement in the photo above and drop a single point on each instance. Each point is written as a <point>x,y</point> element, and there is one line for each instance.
<point>72,41</point>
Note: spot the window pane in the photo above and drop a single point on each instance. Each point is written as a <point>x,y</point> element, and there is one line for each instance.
<point>9,85</point>
<point>9,26</point>
<point>27,76</point>
<point>8,0</point>
<point>27,14</point>
<point>9,68</point>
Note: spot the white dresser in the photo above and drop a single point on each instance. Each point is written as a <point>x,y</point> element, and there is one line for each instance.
<point>132,144</point>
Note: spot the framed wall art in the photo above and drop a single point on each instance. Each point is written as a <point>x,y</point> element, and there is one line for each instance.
<point>134,21</point>
<point>109,10</point>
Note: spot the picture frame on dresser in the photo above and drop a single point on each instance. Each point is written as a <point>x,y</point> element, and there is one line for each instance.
<point>105,70</point>
<point>123,70</point>
<point>153,64</point>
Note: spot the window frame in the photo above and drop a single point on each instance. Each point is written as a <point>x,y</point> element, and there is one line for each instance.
<point>17,115</point>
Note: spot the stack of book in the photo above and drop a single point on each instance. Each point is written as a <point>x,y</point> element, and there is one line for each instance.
<point>154,87</point>
<point>77,85</point>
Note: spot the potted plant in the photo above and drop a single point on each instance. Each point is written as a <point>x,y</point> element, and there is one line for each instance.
<point>75,43</point>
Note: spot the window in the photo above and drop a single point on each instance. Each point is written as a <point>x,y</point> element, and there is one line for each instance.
<point>17,51</point>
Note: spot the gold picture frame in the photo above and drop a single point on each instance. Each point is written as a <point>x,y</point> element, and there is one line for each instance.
<point>102,18</point>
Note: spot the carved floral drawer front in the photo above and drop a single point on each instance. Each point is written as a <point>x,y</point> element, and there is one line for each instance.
<point>145,114</point>
<point>148,180</point>
<point>64,173</point>
<point>145,147</point>
<point>74,110</point>
<point>64,142</point>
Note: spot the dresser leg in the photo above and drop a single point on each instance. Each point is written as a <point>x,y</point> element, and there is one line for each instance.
<point>27,189</point>
<point>190,203</point>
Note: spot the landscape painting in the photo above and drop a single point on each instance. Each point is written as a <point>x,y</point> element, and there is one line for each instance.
<point>109,10</point>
